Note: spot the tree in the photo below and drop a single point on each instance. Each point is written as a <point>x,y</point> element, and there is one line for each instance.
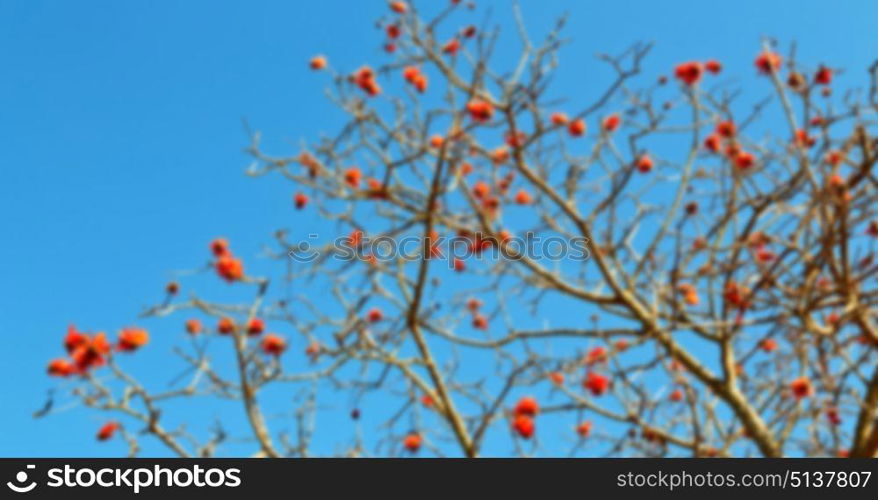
<point>663,271</point>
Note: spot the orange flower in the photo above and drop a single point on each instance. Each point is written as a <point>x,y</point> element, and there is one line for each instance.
<point>676,396</point>
<point>644,164</point>
<point>558,118</point>
<point>317,63</point>
<point>713,66</point>
<point>399,7</point>
<point>352,177</point>
<point>834,157</point>
<point>480,322</point>
<point>229,268</point>
<point>219,247</point>
<point>576,128</point>
<point>768,345</point>
<point>225,326</point>
<point>689,72</point>
<point>365,79</point>
<point>768,62</point>
<point>412,442</point>
<point>255,326</point>
<point>557,378</point>
<point>193,326</point>
<point>712,143</point>
<point>524,426</point>
<point>90,354</point>
<point>584,429</point>
<point>427,401</point>
<point>61,368</point>
<point>107,431</point>
<point>300,200</point>
<point>74,339</point>
<point>451,47</point>
<point>744,160</point>
<point>131,339</point>
<point>726,128</point>
<point>516,140</point>
<point>522,197</point>
<point>527,406</point>
<point>480,111</point>
<point>458,265</point>
<point>436,141</point>
<point>420,83</point>
<point>481,190</point>
<point>473,304</point>
<point>801,387</point>
<point>273,345</point>
<point>500,155</point>
<point>611,123</point>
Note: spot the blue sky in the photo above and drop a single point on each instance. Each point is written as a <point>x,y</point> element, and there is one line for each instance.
<point>121,142</point>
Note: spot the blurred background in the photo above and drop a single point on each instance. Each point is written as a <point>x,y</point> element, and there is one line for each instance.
<point>121,144</point>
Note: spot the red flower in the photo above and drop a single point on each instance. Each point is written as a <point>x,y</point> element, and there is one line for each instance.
<point>801,387</point>
<point>576,127</point>
<point>131,339</point>
<point>644,164</point>
<point>480,111</point>
<point>726,128</point>
<point>172,288</point>
<point>392,30</point>
<point>480,322</point>
<point>712,143</point>
<point>744,160</point>
<point>193,326</point>
<point>524,426</point>
<point>229,268</point>
<point>596,355</point>
<point>412,442</point>
<point>611,123</point>
<point>676,396</point>
<point>527,406</point>
<point>689,72</point>
<point>107,431</point>
<point>225,326</point>
<point>768,62</point>
<point>300,200</point>
<point>803,140</point>
<point>469,31</point>
<point>459,265</point>
<point>365,79</point>
<point>273,345</point>
<point>713,66</point>
<point>255,326</point>
<point>374,315</point>
<point>451,47</point>
<point>516,140</point>
<point>219,247</point>
<point>74,339</point>
<point>823,76</point>
<point>833,415</point>
<point>768,345</point>
<point>584,429</point>
<point>557,378</point>
<point>872,230</point>
<point>90,354</point>
<point>596,383</point>
<point>473,304</point>
<point>317,63</point>
<point>61,368</point>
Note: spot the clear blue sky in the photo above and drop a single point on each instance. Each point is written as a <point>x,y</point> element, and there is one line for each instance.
<point>121,139</point>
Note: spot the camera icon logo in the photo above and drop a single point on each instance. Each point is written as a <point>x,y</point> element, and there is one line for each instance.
<point>21,478</point>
